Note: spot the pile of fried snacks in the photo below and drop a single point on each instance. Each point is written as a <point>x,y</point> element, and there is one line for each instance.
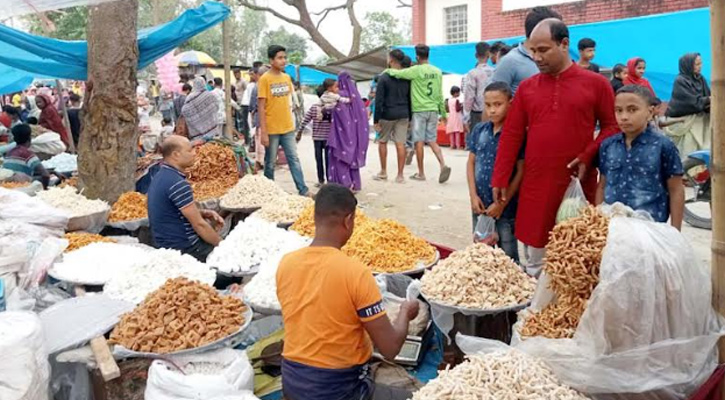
<point>252,191</point>
<point>181,314</point>
<point>129,206</point>
<point>213,173</point>
<point>70,182</point>
<point>573,256</point>
<point>284,209</point>
<point>76,240</point>
<point>305,223</point>
<point>14,185</point>
<point>505,374</point>
<point>478,277</point>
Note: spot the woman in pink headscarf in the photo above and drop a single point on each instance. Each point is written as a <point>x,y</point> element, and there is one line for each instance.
<point>49,117</point>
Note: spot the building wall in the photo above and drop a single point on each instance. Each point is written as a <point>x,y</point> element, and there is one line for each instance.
<point>429,20</point>
<point>501,24</point>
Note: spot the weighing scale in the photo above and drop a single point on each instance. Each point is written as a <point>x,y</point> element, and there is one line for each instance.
<point>413,350</point>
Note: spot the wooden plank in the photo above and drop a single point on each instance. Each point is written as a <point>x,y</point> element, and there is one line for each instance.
<point>106,363</point>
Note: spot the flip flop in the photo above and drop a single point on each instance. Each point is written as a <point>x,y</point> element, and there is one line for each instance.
<point>445,174</point>
<point>379,177</point>
<point>417,177</point>
<point>409,157</point>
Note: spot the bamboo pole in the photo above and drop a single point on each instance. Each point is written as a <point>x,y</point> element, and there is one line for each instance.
<point>64,113</point>
<point>226,26</point>
<point>717,119</point>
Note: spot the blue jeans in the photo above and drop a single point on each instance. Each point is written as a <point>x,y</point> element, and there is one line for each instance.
<point>289,146</point>
<point>506,236</point>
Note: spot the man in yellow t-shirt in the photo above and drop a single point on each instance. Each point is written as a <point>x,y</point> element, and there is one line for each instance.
<point>276,125</point>
<point>332,308</point>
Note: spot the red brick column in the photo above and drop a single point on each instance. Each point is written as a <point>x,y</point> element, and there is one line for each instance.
<point>418,21</point>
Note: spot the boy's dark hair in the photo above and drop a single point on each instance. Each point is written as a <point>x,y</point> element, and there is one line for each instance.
<point>273,50</point>
<point>422,51</point>
<point>22,133</point>
<point>504,50</point>
<point>618,69</point>
<point>640,91</point>
<point>586,43</point>
<point>166,121</point>
<point>455,89</point>
<point>334,201</point>
<point>320,90</point>
<point>483,49</point>
<point>75,98</point>
<point>502,87</point>
<point>656,101</point>
<point>328,83</point>
<point>32,121</point>
<point>10,110</point>
<point>496,46</point>
<point>407,62</point>
<point>536,15</point>
<point>257,64</point>
<point>397,55</point>
<point>218,82</point>
<point>559,31</point>
<point>186,88</point>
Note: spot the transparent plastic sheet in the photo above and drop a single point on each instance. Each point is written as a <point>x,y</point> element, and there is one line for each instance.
<point>130,226</point>
<point>393,287</point>
<point>573,203</point>
<point>234,381</point>
<point>35,6</point>
<point>73,322</point>
<point>91,223</point>
<point>70,381</point>
<point>649,326</point>
<point>50,249</point>
<point>19,207</point>
<point>24,368</point>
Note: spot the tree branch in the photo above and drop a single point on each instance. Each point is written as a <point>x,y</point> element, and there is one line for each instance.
<point>356,28</point>
<point>402,4</point>
<point>255,7</point>
<point>328,9</point>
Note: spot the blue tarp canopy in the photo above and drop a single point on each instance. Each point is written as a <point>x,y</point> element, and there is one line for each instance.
<point>660,39</point>
<point>24,56</point>
<point>308,75</point>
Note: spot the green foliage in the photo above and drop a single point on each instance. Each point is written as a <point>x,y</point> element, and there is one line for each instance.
<point>70,24</point>
<point>383,29</point>
<point>295,44</point>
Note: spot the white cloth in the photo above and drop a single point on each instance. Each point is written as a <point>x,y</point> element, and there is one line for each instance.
<point>246,97</point>
<point>534,260</point>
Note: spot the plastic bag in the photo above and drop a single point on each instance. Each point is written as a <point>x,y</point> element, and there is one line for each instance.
<point>19,207</point>
<point>392,288</point>
<point>24,368</point>
<point>649,324</point>
<point>50,249</point>
<point>48,143</point>
<point>234,381</point>
<point>485,231</point>
<point>573,203</point>
<point>91,223</point>
<point>130,226</point>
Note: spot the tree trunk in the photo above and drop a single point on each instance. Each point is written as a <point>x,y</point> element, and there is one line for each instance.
<point>107,150</point>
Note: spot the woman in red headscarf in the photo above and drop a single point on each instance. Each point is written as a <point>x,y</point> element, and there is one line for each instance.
<point>635,68</point>
<point>49,117</point>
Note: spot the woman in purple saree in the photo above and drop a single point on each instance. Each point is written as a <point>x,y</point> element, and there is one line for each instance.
<point>348,143</point>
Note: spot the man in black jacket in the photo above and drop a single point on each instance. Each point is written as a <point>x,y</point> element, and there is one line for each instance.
<point>392,116</point>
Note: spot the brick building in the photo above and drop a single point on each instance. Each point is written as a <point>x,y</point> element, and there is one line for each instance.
<point>459,21</point>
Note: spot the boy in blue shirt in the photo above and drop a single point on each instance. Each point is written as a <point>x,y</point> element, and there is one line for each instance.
<point>482,144</point>
<point>641,167</point>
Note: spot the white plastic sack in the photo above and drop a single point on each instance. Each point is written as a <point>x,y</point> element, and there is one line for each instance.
<point>234,382</point>
<point>19,207</point>
<point>130,226</point>
<point>24,368</point>
<point>48,143</point>
<point>92,223</point>
<point>395,284</point>
<point>649,324</point>
<point>50,249</point>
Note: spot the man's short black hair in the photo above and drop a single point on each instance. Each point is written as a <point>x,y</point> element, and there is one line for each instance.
<point>422,51</point>
<point>257,64</point>
<point>397,55</point>
<point>586,43</point>
<point>640,91</point>
<point>10,110</point>
<point>407,62</point>
<point>32,121</point>
<point>498,86</point>
<point>328,83</point>
<point>218,82</point>
<point>618,69</point>
<point>536,15</point>
<point>505,49</point>
<point>496,46</point>
<point>74,97</point>
<point>334,201</point>
<point>483,49</point>
<point>455,89</point>
<point>22,133</point>
<point>559,31</point>
<point>273,50</point>
<point>186,88</point>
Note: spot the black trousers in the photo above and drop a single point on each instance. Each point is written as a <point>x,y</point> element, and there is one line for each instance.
<point>200,250</point>
<point>243,123</point>
<point>475,119</point>
<point>322,159</point>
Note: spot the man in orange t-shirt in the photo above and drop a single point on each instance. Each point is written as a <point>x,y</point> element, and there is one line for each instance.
<point>332,308</point>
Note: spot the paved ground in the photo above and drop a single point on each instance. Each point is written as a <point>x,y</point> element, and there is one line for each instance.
<point>439,213</point>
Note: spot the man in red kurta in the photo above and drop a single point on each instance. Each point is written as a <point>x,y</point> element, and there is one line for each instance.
<point>555,113</point>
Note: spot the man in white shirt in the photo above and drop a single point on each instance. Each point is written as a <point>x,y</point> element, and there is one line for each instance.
<point>222,113</point>
<point>243,91</point>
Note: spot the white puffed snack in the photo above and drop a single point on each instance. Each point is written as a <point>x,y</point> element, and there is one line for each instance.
<point>142,278</point>
<point>284,209</point>
<point>98,262</point>
<point>508,374</point>
<point>68,199</point>
<point>251,243</point>
<point>478,277</point>
<point>63,162</point>
<point>251,191</point>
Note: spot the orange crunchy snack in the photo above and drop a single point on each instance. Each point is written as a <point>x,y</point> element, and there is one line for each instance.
<point>14,185</point>
<point>76,240</point>
<point>181,314</point>
<point>129,206</point>
<point>73,181</point>
<point>213,172</point>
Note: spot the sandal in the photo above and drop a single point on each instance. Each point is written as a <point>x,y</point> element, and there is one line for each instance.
<point>445,174</point>
<point>380,177</point>
<point>417,177</point>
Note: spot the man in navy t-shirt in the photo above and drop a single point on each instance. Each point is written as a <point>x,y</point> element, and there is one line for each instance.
<point>176,222</point>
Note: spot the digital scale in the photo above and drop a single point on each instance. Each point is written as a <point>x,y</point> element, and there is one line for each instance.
<point>413,350</point>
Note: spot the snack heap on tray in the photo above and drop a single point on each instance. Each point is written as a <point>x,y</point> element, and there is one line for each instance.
<point>129,206</point>
<point>213,172</point>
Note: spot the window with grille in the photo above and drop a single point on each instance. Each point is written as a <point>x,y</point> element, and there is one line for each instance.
<point>456,24</point>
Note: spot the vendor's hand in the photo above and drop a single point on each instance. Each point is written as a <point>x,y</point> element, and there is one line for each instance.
<point>264,139</point>
<point>214,217</point>
<point>477,205</point>
<point>500,195</point>
<point>578,167</point>
<point>410,308</point>
<point>495,210</point>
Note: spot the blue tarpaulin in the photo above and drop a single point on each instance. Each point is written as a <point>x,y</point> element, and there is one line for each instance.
<point>308,76</point>
<point>24,56</point>
<point>660,39</point>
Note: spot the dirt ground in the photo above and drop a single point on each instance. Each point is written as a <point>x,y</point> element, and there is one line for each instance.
<point>439,213</point>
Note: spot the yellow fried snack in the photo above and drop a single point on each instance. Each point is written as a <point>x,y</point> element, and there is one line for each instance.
<point>14,185</point>
<point>79,239</point>
<point>129,206</point>
<point>181,314</point>
<point>305,223</point>
<point>213,172</point>
<point>70,182</point>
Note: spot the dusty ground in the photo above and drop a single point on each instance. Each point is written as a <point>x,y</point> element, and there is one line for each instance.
<point>439,213</point>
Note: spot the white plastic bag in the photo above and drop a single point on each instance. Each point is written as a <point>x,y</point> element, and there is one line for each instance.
<point>19,207</point>
<point>24,368</point>
<point>649,324</point>
<point>235,380</point>
<point>393,285</point>
<point>485,231</point>
<point>573,203</point>
<point>48,143</point>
